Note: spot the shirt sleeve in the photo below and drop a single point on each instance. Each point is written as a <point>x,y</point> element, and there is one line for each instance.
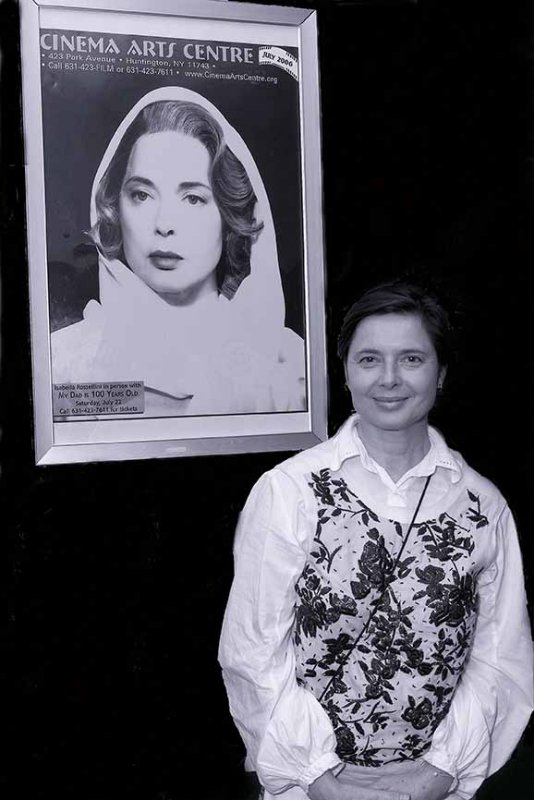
<point>494,697</point>
<point>288,735</point>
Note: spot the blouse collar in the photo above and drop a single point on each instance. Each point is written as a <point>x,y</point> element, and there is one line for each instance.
<point>350,445</point>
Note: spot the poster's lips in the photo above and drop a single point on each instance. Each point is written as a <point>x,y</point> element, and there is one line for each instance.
<point>165,259</point>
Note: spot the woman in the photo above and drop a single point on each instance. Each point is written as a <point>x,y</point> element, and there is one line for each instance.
<point>191,299</point>
<point>376,641</point>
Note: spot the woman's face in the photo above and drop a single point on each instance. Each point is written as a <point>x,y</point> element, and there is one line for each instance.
<point>171,225</point>
<point>392,371</point>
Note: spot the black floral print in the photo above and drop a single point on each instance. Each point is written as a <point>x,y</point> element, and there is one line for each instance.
<point>419,714</point>
<point>381,639</point>
<point>319,606</point>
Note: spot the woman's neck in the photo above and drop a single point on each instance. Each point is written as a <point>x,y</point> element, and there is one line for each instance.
<point>396,451</point>
<point>187,298</point>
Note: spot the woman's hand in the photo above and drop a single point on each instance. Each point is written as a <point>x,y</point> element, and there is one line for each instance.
<point>328,787</point>
<point>424,782</point>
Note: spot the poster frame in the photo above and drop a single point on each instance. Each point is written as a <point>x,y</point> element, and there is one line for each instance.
<point>281,432</point>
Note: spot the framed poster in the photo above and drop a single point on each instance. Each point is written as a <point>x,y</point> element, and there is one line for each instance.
<point>174,228</point>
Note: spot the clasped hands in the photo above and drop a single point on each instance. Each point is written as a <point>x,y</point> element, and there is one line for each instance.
<point>424,783</point>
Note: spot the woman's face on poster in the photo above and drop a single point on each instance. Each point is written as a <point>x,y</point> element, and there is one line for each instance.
<point>170,223</point>
<point>392,371</point>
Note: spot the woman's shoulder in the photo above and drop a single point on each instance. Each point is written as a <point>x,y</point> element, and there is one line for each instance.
<point>70,333</point>
<point>469,477</point>
<point>73,347</point>
<point>325,455</point>
<point>75,337</point>
<point>292,347</point>
<point>478,484</point>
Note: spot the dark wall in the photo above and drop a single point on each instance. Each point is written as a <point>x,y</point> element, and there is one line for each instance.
<point>120,572</point>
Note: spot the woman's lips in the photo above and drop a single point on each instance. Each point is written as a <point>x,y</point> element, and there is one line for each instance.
<point>389,402</point>
<point>165,259</point>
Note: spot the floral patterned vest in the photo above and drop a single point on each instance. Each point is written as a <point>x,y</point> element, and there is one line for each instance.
<point>382,644</point>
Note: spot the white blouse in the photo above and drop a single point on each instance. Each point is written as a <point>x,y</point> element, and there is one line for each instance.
<point>289,736</point>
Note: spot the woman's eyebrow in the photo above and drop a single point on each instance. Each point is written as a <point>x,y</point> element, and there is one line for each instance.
<point>184,186</point>
<point>139,179</point>
<point>403,352</point>
<point>193,185</point>
<point>416,350</point>
<point>367,350</point>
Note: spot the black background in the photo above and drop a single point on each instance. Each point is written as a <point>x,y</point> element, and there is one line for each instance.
<point>120,572</point>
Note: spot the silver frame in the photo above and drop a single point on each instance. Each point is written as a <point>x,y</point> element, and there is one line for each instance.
<point>47,450</point>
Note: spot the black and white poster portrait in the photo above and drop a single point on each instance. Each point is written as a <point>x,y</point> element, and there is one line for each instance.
<point>177,276</point>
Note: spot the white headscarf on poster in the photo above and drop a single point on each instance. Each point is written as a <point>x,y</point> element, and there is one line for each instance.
<point>214,356</point>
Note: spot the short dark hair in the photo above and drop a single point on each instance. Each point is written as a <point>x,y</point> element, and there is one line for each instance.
<point>400,297</point>
<point>231,186</point>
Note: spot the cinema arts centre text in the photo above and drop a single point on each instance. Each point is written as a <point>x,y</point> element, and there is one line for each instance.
<point>156,48</point>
